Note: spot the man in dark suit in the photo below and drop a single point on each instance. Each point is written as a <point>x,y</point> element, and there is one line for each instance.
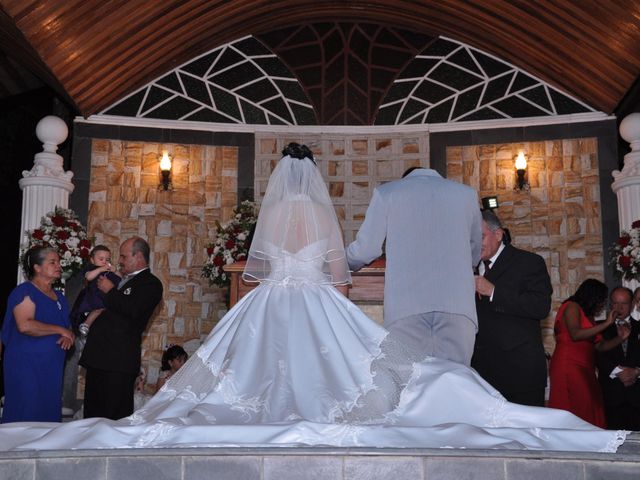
<point>112,352</point>
<point>513,295</point>
<point>622,392</point>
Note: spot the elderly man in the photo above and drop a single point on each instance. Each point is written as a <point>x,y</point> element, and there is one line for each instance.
<point>513,296</point>
<point>619,368</point>
<point>112,352</point>
<point>431,227</point>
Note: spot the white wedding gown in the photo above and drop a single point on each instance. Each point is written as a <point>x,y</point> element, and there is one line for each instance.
<point>296,363</point>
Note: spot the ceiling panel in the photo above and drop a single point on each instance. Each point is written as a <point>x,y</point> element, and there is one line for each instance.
<point>99,51</point>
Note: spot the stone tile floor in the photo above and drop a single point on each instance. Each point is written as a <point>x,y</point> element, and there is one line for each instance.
<point>320,463</point>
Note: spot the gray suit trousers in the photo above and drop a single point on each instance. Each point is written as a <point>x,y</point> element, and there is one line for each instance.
<point>437,334</point>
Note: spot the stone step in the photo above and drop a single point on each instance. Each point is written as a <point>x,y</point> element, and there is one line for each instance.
<point>320,464</point>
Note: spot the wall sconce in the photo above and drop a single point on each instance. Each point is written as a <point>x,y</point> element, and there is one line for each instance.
<point>165,169</point>
<point>521,171</point>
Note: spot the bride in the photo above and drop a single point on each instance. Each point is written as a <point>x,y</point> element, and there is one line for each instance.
<point>296,363</point>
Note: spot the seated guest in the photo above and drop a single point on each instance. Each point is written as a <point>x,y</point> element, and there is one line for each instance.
<point>619,368</point>
<point>173,358</point>
<point>574,386</point>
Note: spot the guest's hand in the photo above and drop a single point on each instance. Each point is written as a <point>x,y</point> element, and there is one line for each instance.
<point>627,376</point>
<point>104,284</point>
<point>611,318</point>
<point>624,330</point>
<point>66,340</point>
<point>484,286</point>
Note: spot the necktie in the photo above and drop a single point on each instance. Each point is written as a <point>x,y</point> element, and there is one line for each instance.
<point>487,266</point>
<point>124,280</point>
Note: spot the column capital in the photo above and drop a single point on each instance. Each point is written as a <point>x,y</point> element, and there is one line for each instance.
<point>626,183</point>
<point>630,131</point>
<point>51,131</point>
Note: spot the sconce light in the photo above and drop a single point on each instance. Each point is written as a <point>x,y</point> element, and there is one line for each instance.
<point>165,169</point>
<point>521,171</point>
<point>489,203</point>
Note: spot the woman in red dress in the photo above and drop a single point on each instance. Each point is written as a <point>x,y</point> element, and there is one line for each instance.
<point>574,386</point>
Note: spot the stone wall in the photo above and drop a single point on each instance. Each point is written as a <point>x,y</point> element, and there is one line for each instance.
<point>558,218</point>
<point>353,165</point>
<point>125,200</point>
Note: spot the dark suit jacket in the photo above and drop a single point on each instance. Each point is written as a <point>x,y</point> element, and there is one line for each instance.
<point>114,340</point>
<point>508,351</point>
<point>614,392</point>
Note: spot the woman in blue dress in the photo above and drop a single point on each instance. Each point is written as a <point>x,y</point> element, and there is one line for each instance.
<point>35,334</point>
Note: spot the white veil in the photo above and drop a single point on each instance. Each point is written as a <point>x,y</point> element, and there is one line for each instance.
<point>297,220</point>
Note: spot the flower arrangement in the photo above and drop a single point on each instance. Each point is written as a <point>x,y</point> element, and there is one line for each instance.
<point>625,253</point>
<point>230,244</point>
<point>62,230</point>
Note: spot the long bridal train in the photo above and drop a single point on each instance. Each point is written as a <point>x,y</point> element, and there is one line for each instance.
<point>295,365</point>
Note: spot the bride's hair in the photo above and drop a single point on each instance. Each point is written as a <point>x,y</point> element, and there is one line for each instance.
<point>295,150</point>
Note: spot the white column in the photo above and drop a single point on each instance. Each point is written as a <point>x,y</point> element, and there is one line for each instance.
<point>46,185</point>
<point>626,183</point>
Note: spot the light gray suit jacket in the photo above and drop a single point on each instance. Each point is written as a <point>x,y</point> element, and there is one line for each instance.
<point>433,237</point>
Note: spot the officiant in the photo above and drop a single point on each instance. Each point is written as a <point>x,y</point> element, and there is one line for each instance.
<point>513,296</point>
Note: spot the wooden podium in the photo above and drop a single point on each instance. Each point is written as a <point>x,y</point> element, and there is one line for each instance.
<point>367,284</point>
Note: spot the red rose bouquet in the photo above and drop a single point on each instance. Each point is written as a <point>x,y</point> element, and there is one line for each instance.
<point>230,244</point>
<point>625,253</point>
<point>62,230</point>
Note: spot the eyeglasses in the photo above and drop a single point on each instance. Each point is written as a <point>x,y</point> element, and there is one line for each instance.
<point>620,303</point>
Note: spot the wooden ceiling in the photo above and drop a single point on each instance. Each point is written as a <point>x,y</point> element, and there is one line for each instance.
<point>98,51</point>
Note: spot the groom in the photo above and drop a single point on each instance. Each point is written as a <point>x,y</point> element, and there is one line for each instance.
<point>432,228</point>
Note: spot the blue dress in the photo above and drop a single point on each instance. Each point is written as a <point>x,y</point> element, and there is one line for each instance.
<point>33,366</point>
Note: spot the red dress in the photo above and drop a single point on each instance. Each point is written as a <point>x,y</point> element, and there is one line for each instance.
<point>572,371</point>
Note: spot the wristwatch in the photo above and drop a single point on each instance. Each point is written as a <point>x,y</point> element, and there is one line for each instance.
<point>84,329</point>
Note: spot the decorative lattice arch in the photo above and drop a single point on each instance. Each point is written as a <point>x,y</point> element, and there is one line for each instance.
<point>452,82</point>
<point>244,82</point>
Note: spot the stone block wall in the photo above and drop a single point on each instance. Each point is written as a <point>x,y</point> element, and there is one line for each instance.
<point>351,164</point>
<point>559,217</point>
<point>125,200</point>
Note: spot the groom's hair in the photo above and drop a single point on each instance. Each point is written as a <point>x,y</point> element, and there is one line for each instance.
<point>409,170</point>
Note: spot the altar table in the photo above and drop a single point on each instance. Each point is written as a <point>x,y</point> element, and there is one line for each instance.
<point>367,284</point>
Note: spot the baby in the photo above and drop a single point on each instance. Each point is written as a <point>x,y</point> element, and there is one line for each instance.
<point>90,301</point>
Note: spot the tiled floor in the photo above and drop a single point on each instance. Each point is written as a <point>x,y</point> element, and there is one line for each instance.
<point>320,464</point>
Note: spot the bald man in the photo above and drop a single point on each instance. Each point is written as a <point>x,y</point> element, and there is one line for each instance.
<point>112,352</point>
